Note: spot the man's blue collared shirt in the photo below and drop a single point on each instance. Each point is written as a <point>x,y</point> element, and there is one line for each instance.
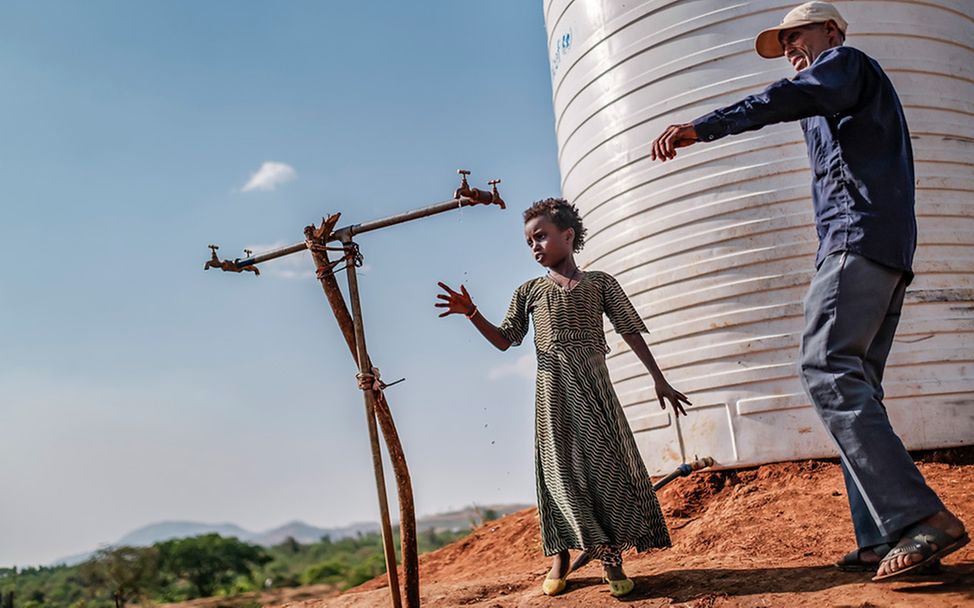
<point>859,148</point>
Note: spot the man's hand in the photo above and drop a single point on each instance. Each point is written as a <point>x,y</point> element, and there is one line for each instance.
<point>675,136</point>
<point>456,303</point>
<point>664,391</point>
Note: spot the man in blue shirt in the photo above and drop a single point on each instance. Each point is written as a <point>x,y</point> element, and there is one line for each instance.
<point>863,195</point>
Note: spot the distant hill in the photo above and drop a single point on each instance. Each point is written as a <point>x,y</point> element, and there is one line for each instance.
<point>307,534</point>
<point>154,533</point>
<point>299,531</point>
<point>466,517</point>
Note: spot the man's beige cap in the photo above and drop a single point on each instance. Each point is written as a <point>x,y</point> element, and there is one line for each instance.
<point>767,45</point>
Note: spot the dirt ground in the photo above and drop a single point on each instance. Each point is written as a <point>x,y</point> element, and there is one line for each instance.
<point>760,537</point>
<point>285,596</point>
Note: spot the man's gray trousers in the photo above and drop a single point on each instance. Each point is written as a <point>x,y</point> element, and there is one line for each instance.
<point>851,312</point>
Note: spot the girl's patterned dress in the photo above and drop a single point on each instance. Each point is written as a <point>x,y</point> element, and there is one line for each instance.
<point>593,489</point>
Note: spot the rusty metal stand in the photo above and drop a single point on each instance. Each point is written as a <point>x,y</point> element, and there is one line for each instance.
<point>353,330</point>
<point>365,369</point>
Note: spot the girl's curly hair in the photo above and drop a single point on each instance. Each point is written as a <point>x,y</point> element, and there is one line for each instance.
<point>562,214</point>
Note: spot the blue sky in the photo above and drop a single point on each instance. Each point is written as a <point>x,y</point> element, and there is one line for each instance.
<point>136,388</point>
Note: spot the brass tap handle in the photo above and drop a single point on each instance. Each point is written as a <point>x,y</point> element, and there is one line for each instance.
<point>464,189</point>
<point>214,261</point>
<point>495,197</point>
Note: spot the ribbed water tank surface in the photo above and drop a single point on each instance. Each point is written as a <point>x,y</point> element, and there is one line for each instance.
<point>716,248</point>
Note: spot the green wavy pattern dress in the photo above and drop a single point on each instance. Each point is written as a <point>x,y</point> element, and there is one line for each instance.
<point>594,492</point>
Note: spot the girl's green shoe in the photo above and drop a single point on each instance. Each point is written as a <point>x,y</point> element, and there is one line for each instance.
<point>620,588</point>
<point>553,586</point>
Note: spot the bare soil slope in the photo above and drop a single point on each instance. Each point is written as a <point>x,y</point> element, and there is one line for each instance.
<point>758,537</point>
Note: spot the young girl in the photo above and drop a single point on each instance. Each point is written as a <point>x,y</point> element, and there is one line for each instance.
<point>593,489</point>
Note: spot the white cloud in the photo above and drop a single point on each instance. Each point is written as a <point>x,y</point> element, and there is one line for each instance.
<point>270,175</point>
<point>522,367</point>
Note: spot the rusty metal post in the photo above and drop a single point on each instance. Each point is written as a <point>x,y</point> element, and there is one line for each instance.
<point>365,367</point>
<point>317,239</point>
<point>407,508</point>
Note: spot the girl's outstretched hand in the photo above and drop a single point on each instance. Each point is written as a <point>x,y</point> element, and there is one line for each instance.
<point>455,303</point>
<point>664,391</point>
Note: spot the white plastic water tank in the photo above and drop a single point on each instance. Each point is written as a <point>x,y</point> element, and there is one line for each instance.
<point>716,248</point>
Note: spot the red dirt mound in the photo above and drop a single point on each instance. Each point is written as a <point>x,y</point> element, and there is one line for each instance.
<point>757,537</point>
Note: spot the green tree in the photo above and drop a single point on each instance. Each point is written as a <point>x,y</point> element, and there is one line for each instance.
<point>127,573</point>
<point>330,571</point>
<point>210,561</point>
<point>370,567</point>
<point>289,545</point>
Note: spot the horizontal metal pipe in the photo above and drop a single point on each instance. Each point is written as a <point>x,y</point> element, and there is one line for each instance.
<point>402,217</point>
<point>270,255</point>
<point>347,232</point>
